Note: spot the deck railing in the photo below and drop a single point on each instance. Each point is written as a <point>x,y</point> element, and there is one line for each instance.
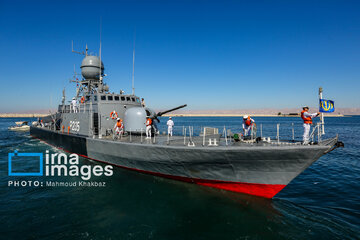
<point>216,134</point>
<point>276,133</point>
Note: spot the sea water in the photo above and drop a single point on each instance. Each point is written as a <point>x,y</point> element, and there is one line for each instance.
<point>321,203</point>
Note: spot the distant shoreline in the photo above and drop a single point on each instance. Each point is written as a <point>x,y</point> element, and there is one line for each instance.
<point>35,115</point>
<point>239,115</point>
<point>22,115</point>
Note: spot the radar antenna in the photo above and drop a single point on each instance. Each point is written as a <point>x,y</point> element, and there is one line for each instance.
<point>92,73</point>
<point>75,79</point>
<point>81,53</point>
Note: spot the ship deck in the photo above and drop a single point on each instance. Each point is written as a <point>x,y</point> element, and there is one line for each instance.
<point>198,141</point>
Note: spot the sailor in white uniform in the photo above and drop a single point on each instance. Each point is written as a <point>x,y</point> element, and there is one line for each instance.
<point>148,127</point>
<point>142,102</point>
<point>307,117</point>
<point>247,123</point>
<point>119,127</point>
<point>74,105</point>
<point>170,124</point>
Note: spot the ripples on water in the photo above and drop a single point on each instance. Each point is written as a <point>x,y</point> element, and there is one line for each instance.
<point>322,203</point>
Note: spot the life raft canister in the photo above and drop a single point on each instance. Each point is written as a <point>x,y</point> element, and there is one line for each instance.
<point>307,120</point>
<point>113,115</point>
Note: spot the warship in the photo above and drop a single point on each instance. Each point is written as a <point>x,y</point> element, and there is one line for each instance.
<point>255,165</point>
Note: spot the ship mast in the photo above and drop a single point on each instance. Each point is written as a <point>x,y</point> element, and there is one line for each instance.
<point>91,71</point>
<point>100,77</point>
<point>321,114</point>
<point>133,72</point>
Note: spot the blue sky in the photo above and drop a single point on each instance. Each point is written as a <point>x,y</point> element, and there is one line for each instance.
<point>208,54</point>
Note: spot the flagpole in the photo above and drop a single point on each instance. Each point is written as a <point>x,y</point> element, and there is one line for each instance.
<point>321,114</point>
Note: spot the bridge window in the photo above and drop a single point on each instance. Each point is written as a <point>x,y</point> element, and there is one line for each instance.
<point>95,98</point>
<point>138,100</point>
<point>122,98</point>
<point>110,98</point>
<point>133,99</point>
<point>117,98</point>
<point>128,99</point>
<point>103,97</point>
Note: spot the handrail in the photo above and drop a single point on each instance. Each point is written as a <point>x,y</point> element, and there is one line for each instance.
<point>317,127</point>
<point>200,135</point>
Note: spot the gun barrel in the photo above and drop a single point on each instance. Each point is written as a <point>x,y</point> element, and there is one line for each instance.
<point>170,110</point>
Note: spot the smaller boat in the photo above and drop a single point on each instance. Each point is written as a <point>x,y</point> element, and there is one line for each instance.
<point>20,126</point>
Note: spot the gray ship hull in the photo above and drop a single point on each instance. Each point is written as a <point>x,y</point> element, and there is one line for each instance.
<point>262,171</point>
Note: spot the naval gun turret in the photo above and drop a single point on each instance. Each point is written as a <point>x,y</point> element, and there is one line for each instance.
<point>135,117</point>
<point>159,114</point>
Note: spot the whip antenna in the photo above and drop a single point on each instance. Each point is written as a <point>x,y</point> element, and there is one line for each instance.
<point>133,72</point>
<point>100,77</point>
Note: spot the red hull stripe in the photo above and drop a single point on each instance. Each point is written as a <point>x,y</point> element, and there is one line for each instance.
<point>256,189</point>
